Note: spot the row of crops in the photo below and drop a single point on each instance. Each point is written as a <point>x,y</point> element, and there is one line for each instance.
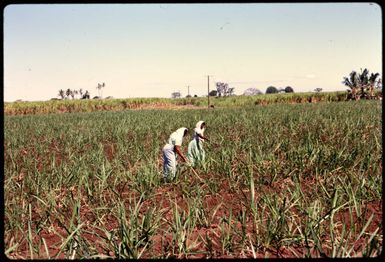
<point>286,180</point>
<point>60,106</point>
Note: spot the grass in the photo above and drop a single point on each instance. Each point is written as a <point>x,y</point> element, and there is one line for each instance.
<point>286,180</point>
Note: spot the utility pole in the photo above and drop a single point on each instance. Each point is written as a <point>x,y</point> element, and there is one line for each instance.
<point>188,90</point>
<point>208,92</point>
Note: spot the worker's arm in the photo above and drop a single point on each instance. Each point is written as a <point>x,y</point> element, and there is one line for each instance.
<point>204,138</point>
<point>177,150</point>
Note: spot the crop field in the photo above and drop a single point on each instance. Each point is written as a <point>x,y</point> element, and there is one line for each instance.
<point>76,106</point>
<point>280,180</point>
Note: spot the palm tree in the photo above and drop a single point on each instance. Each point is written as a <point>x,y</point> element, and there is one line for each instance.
<point>363,81</point>
<point>352,83</point>
<point>61,93</point>
<point>99,87</point>
<point>74,93</point>
<point>373,81</point>
<point>86,95</point>
<point>68,92</point>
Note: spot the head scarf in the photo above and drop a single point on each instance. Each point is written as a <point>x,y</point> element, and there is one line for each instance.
<point>180,131</point>
<point>177,137</point>
<point>198,130</point>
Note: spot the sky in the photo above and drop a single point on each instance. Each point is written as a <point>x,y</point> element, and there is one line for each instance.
<point>152,50</point>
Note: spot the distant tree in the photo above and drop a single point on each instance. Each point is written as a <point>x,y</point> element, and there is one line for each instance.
<point>86,95</point>
<point>68,92</point>
<point>213,93</point>
<point>195,96</point>
<point>271,90</point>
<point>188,96</point>
<point>352,83</point>
<point>99,87</point>
<point>222,88</point>
<point>62,93</point>
<point>81,92</point>
<point>318,89</point>
<point>176,95</point>
<point>361,84</point>
<point>251,92</point>
<point>230,91</point>
<point>74,93</point>
<point>289,89</point>
<point>374,82</point>
<point>96,97</point>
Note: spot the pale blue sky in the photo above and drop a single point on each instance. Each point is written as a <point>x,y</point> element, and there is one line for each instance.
<point>151,50</point>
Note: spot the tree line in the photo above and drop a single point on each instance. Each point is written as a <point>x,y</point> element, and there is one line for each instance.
<point>224,90</point>
<point>66,94</point>
<point>269,90</point>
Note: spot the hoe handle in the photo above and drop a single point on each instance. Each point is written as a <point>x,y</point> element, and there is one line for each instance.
<point>195,173</point>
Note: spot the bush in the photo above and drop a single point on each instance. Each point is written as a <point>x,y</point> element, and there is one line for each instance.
<point>271,90</point>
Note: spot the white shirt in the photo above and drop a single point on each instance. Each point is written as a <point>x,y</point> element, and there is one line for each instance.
<point>176,138</point>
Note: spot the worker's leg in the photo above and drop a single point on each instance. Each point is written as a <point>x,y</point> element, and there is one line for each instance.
<point>193,153</point>
<point>190,154</point>
<point>169,163</point>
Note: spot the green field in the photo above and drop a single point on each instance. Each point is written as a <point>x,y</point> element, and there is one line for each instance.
<point>285,180</point>
<point>71,106</point>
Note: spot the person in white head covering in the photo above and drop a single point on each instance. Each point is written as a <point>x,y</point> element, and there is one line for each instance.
<point>170,150</point>
<point>196,153</point>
